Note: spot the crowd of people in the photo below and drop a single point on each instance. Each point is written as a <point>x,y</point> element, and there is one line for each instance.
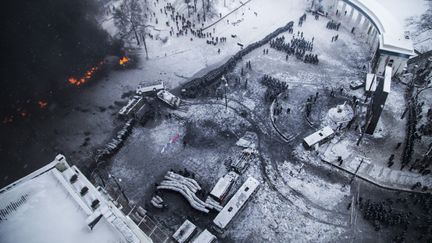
<point>385,213</point>
<point>274,87</point>
<point>301,20</point>
<point>311,58</point>
<point>335,38</point>
<point>381,213</point>
<point>333,25</point>
<point>215,40</point>
<point>182,24</point>
<point>298,47</point>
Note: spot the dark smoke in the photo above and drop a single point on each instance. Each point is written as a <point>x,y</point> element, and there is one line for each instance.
<point>43,42</point>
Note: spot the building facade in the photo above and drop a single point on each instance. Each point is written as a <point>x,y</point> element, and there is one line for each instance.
<point>389,42</point>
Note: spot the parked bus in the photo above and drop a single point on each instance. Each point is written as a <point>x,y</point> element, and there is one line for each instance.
<point>318,137</point>
<point>236,203</point>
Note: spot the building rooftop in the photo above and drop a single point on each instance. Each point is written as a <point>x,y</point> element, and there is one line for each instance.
<point>46,207</point>
<point>391,29</point>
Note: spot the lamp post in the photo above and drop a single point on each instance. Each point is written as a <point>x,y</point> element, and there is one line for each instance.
<point>226,86</point>
<point>118,185</point>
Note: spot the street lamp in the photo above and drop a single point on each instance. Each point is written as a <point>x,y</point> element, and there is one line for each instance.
<point>226,86</point>
<point>119,187</point>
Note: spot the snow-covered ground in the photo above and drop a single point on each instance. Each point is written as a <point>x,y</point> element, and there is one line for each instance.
<point>175,59</point>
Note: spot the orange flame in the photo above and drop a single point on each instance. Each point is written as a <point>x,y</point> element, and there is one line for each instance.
<point>86,77</point>
<point>72,80</point>
<point>123,60</point>
<point>42,104</point>
<point>8,119</point>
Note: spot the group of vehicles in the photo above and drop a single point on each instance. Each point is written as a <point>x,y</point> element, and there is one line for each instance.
<point>138,106</point>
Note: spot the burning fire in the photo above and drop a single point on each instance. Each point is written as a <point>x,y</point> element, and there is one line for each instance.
<point>123,60</point>
<point>8,119</point>
<point>22,112</point>
<point>42,104</point>
<point>86,77</point>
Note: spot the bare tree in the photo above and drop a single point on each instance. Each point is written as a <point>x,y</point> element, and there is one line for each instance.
<point>204,12</point>
<point>187,4</point>
<point>130,19</point>
<point>424,22</point>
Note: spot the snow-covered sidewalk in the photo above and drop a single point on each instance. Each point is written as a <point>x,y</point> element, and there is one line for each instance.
<point>372,172</point>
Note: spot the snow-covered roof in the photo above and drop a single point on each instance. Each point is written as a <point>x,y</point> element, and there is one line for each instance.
<point>318,136</point>
<point>142,89</point>
<point>371,84</point>
<point>46,207</point>
<point>184,232</point>
<point>236,203</point>
<point>387,79</point>
<point>205,237</point>
<point>223,185</point>
<point>392,32</point>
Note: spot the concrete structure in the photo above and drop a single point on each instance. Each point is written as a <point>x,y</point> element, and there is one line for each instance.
<point>58,204</point>
<point>371,83</point>
<point>389,42</point>
<point>379,98</point>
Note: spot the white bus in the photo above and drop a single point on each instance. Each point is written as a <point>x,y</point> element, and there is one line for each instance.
<point>236,203</point>
<point>319,137</point>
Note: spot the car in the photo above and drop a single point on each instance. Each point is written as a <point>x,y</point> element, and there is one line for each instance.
<point>357,84</point>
